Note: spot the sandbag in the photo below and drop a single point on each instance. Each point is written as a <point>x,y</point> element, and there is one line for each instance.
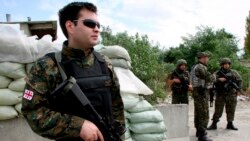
<point>146,116</point>
<point>18,108</point>
<point>28,67</point>
<point>9,97</point>
<point>148,127</point>
<point>150,137</point>
<point>127,133</point>
<point>17,85</point>
<point>17,47</point>
<point>129,100</point>
<point>127,115</point>
<point>141,106</point>
<point>12,70</point>
<point>115,52</point>
<point>129,83</point>
<point>121,63</point>
<point>4,82</point>
<point>129,139</point>
<point>7,112</point>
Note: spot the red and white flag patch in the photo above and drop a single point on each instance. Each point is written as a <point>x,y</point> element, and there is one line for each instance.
<point>28,94</point>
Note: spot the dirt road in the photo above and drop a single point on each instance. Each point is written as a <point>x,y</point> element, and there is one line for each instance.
<point>242,121</point>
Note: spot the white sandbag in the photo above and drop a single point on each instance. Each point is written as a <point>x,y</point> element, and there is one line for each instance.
<point>17,47</point>
<point>121,63</point>
<point>9,97</point>
<point>150,137</point>
<point>45,46</point>
<point>14,45</point>
<point>12,70</point>
<point>127,115</point>
<point>17,85</point>
<point>28,67</point>
<point>129,139</point>
<point>115,52</point>
<point>146,116</point>
<point>18,108</point>
<point>4,82</point>
<point>129,100</point>
<point>148,127</point>
<point>7,112</point>
<point>127,134</point>
<point>129,83</point>
<point>141,106</point>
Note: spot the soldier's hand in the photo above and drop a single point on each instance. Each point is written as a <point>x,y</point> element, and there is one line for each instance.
<point>177,80</point>
<point>190,87</point>
<point>222,79</point>
<point>90,132</point>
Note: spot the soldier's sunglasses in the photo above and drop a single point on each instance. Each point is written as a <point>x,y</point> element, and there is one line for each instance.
<point>90,23</point>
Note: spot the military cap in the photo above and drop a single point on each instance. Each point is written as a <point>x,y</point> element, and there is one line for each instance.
<point>181,62</point>
<point>202,54</point>
<point>225,61</point>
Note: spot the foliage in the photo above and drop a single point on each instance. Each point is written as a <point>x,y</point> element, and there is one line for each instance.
<point>247,38</point>
<point>146,59</point>
<point>218,43</point>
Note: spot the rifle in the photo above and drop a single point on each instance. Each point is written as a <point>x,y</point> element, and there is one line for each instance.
<point>69,86</point>
<point>184,82</point>
<point>211,96</point>
<point>230,82</point>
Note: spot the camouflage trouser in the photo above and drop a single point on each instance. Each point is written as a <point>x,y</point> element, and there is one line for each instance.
<point>229,101</point>
<point>201,111</point>
<point>180,98</point>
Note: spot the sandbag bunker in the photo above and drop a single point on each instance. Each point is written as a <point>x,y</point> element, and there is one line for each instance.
<point>143,121</point>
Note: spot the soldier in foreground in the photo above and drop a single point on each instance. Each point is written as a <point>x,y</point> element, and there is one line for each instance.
<point>227,84</point>
<point>200,78</point>
<point>180,83</point>
<point>93,73</point>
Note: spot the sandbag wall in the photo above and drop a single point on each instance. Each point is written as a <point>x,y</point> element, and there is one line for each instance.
<point>143,121</point>
<point>11,89</point>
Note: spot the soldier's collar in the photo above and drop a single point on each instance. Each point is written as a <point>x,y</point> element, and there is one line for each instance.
<point>74,53</point>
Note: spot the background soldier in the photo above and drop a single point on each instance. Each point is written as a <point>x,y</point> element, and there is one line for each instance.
<point>94,75</point>
<point>200,78</point>
<point>226,93</point>
<point>180,83</point>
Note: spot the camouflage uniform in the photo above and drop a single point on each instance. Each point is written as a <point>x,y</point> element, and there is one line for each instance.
<point>225,97</point>
<point>200,78</point>
<point>179,92</point>
<point>200,95</point>
<point>42,79</point>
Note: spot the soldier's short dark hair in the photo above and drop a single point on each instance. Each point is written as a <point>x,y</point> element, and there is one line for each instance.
<point>71,12</point>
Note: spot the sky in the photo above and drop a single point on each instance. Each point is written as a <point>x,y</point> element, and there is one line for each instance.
<point>164,21</point>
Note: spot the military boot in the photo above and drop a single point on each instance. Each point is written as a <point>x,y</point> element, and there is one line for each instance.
<point>231,126</point>
<point>213,126</point>
<point>203,136</point>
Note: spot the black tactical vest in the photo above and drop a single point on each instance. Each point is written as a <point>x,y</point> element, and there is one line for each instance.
<point>95,82</point>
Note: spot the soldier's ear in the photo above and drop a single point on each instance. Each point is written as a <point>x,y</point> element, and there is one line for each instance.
<point>70,26</point>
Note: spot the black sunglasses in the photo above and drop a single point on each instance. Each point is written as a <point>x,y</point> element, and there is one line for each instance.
<point>90,23</point>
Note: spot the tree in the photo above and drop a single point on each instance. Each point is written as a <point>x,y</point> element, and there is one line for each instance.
<point>147,63</point>
<point>247,38</point>
<point>218,42</point>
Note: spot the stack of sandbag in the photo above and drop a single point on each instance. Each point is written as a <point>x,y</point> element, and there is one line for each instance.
<point>11,89</point>
<point>17,53</point>
<point>15,46</point>
<point>143,121</point>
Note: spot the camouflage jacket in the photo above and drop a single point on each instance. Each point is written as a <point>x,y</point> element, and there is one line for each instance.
<point>231,74</point>
<point>177,74</point>
<point>42,79</point>
<point>200,76</point>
